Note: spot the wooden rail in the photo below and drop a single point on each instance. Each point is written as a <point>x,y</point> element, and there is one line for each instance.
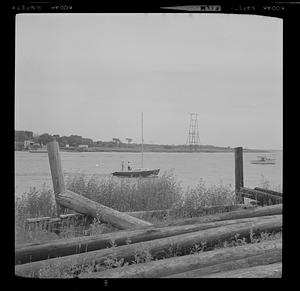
<point>56,222</point>
<point>245,213</point>
<point>262,271</point>
<point>201,263</point>
<point>272,192</point>
<point>263,197</point>
<point>267,257</point>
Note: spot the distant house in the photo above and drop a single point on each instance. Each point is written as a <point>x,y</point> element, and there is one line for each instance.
<point>28,144</point>
<point>36,145</point>
<point>83,146</point>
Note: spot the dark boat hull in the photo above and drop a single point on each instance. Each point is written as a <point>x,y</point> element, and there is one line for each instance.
<point>131,174</point>
<point>263,163</point>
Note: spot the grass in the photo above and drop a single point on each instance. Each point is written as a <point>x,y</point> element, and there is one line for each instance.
<point>35,203</point>
<point>191,202</point>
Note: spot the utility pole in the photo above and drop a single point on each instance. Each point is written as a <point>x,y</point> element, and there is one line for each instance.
<point>193,140</point>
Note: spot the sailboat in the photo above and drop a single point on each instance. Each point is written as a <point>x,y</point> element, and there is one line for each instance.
<point>138,172</point>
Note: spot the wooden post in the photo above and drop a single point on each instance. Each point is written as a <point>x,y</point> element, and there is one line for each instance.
<point>239,178</point>
<point>56,172</point>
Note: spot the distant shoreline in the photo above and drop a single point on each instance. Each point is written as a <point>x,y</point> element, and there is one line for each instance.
<point>160,150</point>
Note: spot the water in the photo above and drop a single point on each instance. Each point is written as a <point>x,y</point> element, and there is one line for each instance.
<point>33,170</point>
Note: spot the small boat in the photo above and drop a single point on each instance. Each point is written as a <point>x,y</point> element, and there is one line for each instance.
<point>137,172</point>
<point>263,160</point>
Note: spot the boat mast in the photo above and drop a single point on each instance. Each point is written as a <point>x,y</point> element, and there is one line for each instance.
<point>142,142</point>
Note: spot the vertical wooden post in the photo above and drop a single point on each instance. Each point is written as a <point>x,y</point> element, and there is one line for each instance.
<point>56,172</point>
<point>239,177</point>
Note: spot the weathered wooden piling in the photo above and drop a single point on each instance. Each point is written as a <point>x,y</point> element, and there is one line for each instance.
<point>56,172</point>
<point>239,176</point>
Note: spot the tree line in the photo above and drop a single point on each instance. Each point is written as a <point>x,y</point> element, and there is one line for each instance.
<point>72,140</point>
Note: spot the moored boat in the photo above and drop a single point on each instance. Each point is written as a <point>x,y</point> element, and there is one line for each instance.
<point>140,172</point>
<point>263,160</point>
<point>137,172</point>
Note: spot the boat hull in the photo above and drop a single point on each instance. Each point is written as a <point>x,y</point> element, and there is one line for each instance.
<point>131,174</point>
<point>263,163</point>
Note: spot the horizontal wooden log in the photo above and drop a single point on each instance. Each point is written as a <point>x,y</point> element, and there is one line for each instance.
<point>249,201</point>
<point>91,208</point>
<point>262,271</point>
<point>272,192</point>
<point>62,217</point>
<point>244,213</point>
<point>71,215</point>
<point>35,252</point>
<point>250,197</point>
<point>270,257</point>
<point>150,214</point>
<point>141,214</point>
<point>156,247</point>
<point>172,266</point>
<point>39,219</point>
<point>261,196</point>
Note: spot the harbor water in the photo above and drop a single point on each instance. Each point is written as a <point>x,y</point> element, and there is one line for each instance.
<point>33,170</point>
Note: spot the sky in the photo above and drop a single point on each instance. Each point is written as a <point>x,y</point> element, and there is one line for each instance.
<point>93,74</point>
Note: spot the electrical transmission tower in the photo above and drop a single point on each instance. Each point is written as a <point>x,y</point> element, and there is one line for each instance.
<point>193,140</point>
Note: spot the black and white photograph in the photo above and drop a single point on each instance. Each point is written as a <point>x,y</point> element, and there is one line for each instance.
<point>148,145</point>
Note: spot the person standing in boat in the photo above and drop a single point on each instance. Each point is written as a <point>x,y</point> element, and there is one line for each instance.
<point>123,166</point>
<point>129,166</point>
